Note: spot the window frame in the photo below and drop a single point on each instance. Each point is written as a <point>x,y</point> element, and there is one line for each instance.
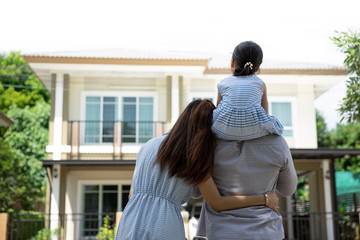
<point>80,197</point>
<point>120,95</point>
<point>202,95</point>
<point>292,101</point>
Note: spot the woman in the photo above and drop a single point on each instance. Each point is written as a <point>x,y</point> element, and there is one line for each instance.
<point>167,171</point>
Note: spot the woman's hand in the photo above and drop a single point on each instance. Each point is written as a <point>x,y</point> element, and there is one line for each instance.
<point>273,201</point>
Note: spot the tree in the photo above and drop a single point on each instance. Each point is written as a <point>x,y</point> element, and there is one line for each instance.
<point>22,145</point>
<point>343,136</point>
<point>322,133</point>
<point>19,86</point>
<point>349,43</point>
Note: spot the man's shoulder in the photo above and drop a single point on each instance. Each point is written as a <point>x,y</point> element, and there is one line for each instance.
<point>271,139</point>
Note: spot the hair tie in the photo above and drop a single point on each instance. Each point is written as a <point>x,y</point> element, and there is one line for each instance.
<point>248,64</point>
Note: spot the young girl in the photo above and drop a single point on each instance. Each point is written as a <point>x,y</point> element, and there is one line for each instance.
<point>167,171</point>
<point>242,111</point>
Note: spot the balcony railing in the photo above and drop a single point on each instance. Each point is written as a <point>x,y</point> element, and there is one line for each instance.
<point>112,133</point>
<point>299,226</point>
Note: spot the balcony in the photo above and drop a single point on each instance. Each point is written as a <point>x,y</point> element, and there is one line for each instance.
<point>110,137</point>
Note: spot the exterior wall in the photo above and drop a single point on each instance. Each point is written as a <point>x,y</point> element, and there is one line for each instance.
<point>302,95</point>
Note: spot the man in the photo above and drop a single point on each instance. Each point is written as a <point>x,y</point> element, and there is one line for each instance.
<point>249,167</point>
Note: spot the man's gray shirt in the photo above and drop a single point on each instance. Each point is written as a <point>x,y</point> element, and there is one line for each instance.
<point>248,168</point>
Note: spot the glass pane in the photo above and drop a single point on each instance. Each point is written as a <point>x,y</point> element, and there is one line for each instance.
<point>110,201</point>
<point>125,196</point>
<point>109,117</point>
<point>91,187</point>
<point>110,99</point>
<point>146,100</point>
<point>146,116</point>
<point>282,110</point>
<point>129,99</point>
<point>92,117</point>
<point>129,139</point>
<point>287,133</point>
<point>129,119</point>
<point>93,99</point>
<point>110,187</point>
<point>91,209</point>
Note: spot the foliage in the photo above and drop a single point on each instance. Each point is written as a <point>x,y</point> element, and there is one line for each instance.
<point>302,190</point>
<point>349,43</point>
<point>45,234</point>
<point>22,145</point>
<point>21,172</point>
<point>322,133</point>
<point>107,231</point>
<point>343,136</point>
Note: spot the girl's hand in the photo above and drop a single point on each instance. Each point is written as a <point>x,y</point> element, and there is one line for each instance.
<point>273,201</point>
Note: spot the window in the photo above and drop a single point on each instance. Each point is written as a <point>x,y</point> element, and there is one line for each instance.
<point>99,201</point>
<point>102,112</point>
<point>202,95</point>
<point>137,119</point>
<point>283,112</point>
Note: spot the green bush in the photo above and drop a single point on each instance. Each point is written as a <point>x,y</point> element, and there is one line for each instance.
<point>107,231</point>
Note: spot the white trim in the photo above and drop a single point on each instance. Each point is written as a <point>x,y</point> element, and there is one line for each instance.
<point>175,101</point>
<point>292,101</point>
<point>58,115</point>
<point>81,183</point>
<point>328,203</point>
<point>192,95</point>
<point>55,199</point>
<point>100,148</point>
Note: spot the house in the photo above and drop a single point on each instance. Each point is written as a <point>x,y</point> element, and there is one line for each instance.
<point>107,103</point>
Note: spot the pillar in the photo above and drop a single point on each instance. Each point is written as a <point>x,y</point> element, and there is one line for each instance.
<point>175,99</point>
<point>58,124</point>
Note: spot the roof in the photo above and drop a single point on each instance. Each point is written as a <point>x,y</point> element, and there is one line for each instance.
<point>125,54</point>
<point>213,60</point>
<point>5,120</point>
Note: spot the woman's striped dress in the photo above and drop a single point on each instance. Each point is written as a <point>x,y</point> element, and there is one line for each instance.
<point>239,115</point>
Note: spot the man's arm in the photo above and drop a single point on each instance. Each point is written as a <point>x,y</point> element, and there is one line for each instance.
<point>287,180</point>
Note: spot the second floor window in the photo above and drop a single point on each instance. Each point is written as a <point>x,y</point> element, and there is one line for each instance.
<point>283,112</point>
<point>135,114</point>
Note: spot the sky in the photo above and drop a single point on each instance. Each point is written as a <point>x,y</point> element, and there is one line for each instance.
<point>285,29</point>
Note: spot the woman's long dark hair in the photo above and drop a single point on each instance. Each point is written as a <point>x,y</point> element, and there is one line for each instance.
<point>188,150</point>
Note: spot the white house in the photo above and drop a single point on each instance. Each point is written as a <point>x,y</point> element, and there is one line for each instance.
<point>107,103</point>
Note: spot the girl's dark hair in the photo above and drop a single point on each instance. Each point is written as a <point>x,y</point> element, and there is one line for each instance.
<point>244,53</point>
<point>188,149</point>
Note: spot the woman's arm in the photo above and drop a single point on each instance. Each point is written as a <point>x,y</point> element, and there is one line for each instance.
<point>219,98</point>
<point>264,101</point>
<point>220,203</point>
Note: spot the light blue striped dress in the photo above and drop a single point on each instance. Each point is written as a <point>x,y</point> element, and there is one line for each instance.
<point>153,211</point>
<point>239,115</point>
